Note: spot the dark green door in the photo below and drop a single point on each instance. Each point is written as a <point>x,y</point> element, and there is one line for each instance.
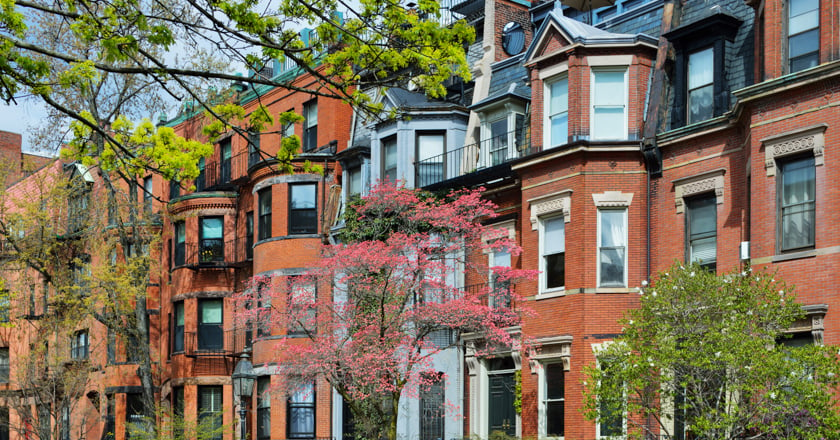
<point>502,414</point>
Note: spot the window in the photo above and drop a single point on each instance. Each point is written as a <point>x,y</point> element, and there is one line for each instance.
<point>803,34</point>
<point>79,345</point>
<point>264,202</point>
<point>432,409</point>
<point>200,181</point>
<point>389,159</point>
<point>147,194</point>
<point>558,112</point>
<point>4,423</point>
<point>64,426</point>
<point>302,296</point>
<point>499,290</point>
<point>701,78</point>
<point>310,125</point>
<point>354,181</point>
<point>4,364</point>
<point>180,250</point>
<point>133,412</point>
<point>210,334</point>
<point>302,213</point>
<point>609,108</point>
<point>178,409</point>
<point>249,235</point>
<point>174,189</point>
<point>253,148</point>
<point>553,251</point>
<point>5,305</point>
<point>301,412</point>
<point>178,328</point>
<point>263,408</point>
<point>212,241</point>
<point>225,153</point>
<point>797,204</point>
<point>554,400</point>
<point>612,247</point>
<point>430,158</point>
<point>78,207</point>
<point>701,230</point>
<point>210,410</point>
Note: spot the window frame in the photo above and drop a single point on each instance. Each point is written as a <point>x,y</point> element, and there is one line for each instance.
<point>593,106</point>
<point>148,188</point>
<point>547,121</point>
<point>431,393</point>
<point>214,252</point>
<point>310,126</point>
<point>264,200</point>
<point>386,144</point>
<point>80,345</point>
<point>545,399</point>
<point>179,248</point>
<point>782,163</point>
<point>420,180</point>
<point>178,329</point>
<point>5,365</point>
<point>294,227</point>
<point>296,329</point>
<point>307,405</point>
<point>710,84</point>
<point>249,235</point>
<point>214,410</point>
<point>691,237</point>
<point>225,160</point>
<point>789,36</point>
<point>625,246</point>
<point>214,335</point>
<point>263,404</point>
<point>543,266</point>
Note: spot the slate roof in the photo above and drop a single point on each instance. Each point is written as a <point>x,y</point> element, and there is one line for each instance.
<point>508,79</point>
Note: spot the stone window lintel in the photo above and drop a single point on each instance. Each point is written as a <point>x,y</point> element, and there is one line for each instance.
<point>556,202</point>
<point>690,186</point>
<point>802,140</point>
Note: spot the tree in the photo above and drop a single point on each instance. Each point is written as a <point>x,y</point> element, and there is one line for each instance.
<point>708,356</point>
<point>393,283</point>
<point>373,43</point>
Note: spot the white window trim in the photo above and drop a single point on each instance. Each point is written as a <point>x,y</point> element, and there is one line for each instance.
<point>552,350</point>
<point>546,107</point>
<point>542,208</point>
<point>794,142</point>
<point>619,68</point>
<point>618,201</point>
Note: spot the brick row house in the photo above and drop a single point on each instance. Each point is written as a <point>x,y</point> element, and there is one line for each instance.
<point>613,141</point>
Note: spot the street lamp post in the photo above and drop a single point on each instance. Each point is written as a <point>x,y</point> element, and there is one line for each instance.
<point>243,385</point>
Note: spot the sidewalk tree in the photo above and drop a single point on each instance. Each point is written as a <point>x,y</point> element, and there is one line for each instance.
<point>374,311</point>
<point>709,356</point>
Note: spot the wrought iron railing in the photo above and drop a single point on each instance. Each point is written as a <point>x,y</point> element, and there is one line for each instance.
<point>211,252</point>
<point>471,158</point>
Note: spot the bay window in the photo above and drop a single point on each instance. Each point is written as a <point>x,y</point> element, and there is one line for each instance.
<point>303,218</point>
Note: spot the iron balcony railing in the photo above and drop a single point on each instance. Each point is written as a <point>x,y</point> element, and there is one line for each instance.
<point>471,158</point>
<point>213,340</point>
<point>209,252</point>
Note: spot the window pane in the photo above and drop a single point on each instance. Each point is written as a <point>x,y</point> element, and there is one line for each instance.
<point>702,214</point>
<point>700,106</point>
<point>501,259</point>
<point>211,312</point>
<point>803,22</point>
<point>354,184</point>
<point>303,196</point>
<point>804,43</point>
<point>609,88</point>
<point>554,422</point>
<point>179,313</point>
<point>798,7</point>
<point>554,240</point>
<point>612,228</point>
<point>559,97</point>
<point>798,226</point>
<point>554,381</point>
<point>804,62</point>
<point>612,267</point>
<point>704,251</point>
<point>608,123</point>
<point>304,394</point>
<point>429,146</point>
<point>212,227</point>
<point>389,168</point>
<point>555,271</point>
<point>559,129</point>
<point>798,181</point>
<point>180,234</point>
<point>700,68</point>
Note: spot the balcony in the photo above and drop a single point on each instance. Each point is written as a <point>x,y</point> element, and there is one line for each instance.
<point>481,162</point>
<point>212,341</point>
<point>222,175</point>
<point>212,253</point>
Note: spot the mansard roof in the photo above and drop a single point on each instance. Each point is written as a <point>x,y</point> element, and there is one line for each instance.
<point>508,80</point>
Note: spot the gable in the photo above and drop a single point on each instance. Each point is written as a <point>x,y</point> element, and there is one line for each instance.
<point>553,42</point>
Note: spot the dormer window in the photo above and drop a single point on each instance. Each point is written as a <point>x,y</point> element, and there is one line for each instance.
<point>501,134</point>
<point>700,88</point>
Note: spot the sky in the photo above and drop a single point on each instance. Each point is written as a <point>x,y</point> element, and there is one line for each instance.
<point>18,119</point>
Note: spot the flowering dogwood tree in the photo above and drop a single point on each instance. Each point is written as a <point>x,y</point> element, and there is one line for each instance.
<point>392,284</point>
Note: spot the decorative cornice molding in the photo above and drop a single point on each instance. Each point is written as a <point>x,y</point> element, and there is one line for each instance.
<point>557,202</point>
<point>806,139</point>
<point>612,199</point>
<point>551,349</point>
<point>701,183</point>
